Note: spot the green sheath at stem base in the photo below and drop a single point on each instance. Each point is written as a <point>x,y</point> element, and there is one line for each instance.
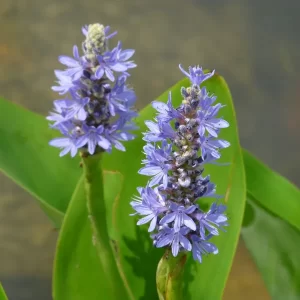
<point>93,181</point>
<point>169,276</point>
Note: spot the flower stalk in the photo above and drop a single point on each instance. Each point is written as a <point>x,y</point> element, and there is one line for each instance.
<point>169,276</point>
<point>93,181</point>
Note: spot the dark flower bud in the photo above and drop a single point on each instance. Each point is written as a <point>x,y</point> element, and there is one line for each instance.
<point>187,109</point>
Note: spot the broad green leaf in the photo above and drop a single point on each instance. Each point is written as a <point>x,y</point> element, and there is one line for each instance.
<point>273,208</point>
<point>74,276</point>
<point>274,245</point>
<point>26,157</point>
<point>2,293</point>
<point>139,258</point>
<point>272,191</point>
<point>78,273</point>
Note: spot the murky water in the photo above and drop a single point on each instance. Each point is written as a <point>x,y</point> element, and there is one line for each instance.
<point>254,44</point>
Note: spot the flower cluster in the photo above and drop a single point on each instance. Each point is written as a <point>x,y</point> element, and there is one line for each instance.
<point>98,112</point>
<point>179,143</point>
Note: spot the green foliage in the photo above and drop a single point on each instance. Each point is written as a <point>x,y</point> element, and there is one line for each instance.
<point>273,242</point>
<point>272,191</point>
<point>2,293</point>
<point>79,272</point>
<point>26,157</point>
<point>274,245</point>
<point>74,276</point>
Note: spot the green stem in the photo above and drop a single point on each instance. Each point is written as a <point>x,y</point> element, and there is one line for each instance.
<point>169,276</point>
<point>93,178</point>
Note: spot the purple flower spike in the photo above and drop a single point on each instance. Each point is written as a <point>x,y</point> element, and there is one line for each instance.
<point>97,115</point>
<point>180,142</point>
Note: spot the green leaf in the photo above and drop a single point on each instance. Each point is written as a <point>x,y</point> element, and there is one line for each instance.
<point>271,218</point>
<point>139,259</point>
<point>74,277</point>
<point>274,245</point>
<point>2,293</point>
<point>78,273</point>
<point>272,191</point>
<point>26,158</point>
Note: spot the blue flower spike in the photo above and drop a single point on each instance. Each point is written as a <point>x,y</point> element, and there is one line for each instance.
<point>99,110</point>
<point>180,141</point>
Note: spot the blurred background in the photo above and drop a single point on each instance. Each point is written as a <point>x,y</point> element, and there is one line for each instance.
<point>254,44</point>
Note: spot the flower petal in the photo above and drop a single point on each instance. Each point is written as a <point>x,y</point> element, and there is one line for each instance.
<point>168,218</point>
<point>68,61</point>
<point>185,243</point>
<point>145,219</point>
<point>188,222</point>
<point>150,171</point>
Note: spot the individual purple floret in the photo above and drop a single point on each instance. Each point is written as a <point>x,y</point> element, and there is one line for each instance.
<point>196,74</point>
<point>75,65</point>
<point>180,141</point>
<point>201,247</point>
<point>156,164</point>
<point>97,114</point>
<point>114,61</point>
<point>176,239</point>
<point>150,205</point>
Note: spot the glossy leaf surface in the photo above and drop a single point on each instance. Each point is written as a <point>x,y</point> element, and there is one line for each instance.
<point>26,157</point>
<point>272,191</point>
<point>274,246</point>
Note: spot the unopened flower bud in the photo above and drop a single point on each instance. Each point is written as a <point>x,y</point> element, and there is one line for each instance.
<point>185,182</point>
